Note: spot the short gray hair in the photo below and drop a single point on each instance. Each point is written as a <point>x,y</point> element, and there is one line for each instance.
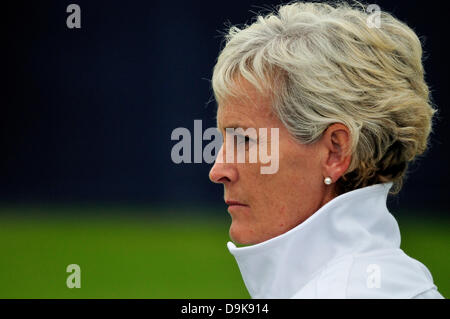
<point>323,64</point>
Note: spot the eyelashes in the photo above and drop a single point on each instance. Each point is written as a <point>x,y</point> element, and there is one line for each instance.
<point>238,139</point>
<point>244,139</point>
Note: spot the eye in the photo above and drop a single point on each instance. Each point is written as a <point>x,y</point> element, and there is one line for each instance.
<point>243,139</point>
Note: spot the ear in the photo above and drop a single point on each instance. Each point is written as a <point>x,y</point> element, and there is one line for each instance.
<point>337,143</point>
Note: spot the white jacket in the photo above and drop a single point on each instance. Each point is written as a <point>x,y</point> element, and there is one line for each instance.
<point>349,248</point>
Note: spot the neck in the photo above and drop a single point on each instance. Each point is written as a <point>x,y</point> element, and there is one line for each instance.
<point>354,222</point>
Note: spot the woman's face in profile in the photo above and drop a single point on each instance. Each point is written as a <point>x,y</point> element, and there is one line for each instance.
<point>263,206</point>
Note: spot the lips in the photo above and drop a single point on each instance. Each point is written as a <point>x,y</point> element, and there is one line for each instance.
<point>236,207</point>
<point>234,203</point>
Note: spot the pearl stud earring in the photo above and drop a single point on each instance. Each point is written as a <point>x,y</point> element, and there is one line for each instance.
<point>327,180</point>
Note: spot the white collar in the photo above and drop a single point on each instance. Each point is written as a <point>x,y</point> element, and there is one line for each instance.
<point>354,222</point>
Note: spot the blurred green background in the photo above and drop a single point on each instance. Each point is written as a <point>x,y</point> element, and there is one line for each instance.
<point>150,253</point>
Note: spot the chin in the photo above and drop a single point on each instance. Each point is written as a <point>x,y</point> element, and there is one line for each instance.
<point>242,235</point>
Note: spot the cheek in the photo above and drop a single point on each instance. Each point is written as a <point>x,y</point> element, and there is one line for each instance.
<point>249,176</point>
<point>298,176</point>
<point>299,161</point>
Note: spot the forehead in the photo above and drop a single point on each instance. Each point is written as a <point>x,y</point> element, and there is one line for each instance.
<point>250,109</point>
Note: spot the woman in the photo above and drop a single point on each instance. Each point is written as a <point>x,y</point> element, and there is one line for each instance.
<point>352,109</point>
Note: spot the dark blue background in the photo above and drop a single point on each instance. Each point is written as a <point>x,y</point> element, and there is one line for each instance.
<point>87,113</point>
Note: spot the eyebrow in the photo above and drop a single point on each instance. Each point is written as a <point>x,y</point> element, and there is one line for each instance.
<point>234,126</point>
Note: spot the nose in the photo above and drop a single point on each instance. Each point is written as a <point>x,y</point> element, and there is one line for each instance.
<point>222,172</point>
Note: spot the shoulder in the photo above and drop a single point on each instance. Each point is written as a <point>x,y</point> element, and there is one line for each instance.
<point>381,274</point>
<point>432,293</point>
<point>387,274</point>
